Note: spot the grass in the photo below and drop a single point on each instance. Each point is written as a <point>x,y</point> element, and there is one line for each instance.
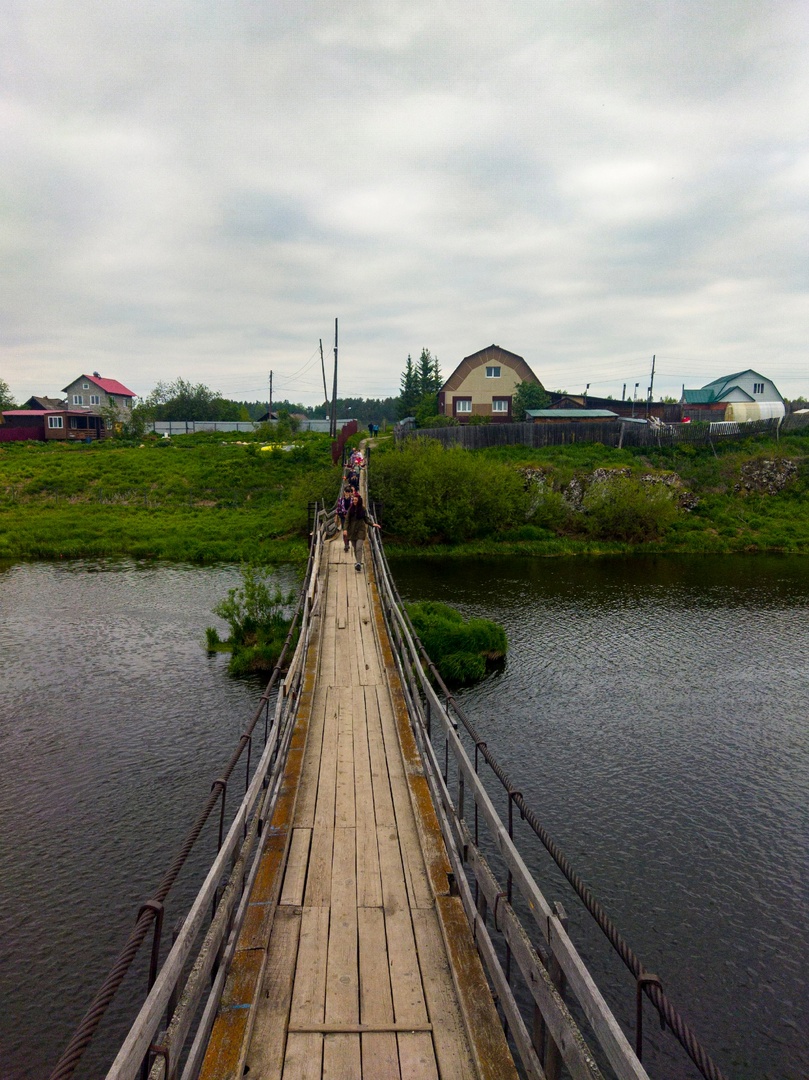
<point>200,500</point>
<point>462,649</point>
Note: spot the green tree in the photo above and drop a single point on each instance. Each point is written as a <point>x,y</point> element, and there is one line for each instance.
<point>409,390</point>
<point>181,400</point>
<point>6,397</point>
<point>528,395</point>
<point>428,374</point>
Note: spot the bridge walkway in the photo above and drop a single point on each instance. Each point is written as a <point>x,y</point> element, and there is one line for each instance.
<point>355,959</point>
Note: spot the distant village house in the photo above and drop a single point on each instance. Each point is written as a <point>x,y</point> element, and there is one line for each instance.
<point>80,416</point>
<point>96,393</point>
<point>483,384</point>
<point>745,395</point>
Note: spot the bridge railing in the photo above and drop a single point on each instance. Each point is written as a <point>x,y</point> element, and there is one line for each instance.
<point>537,946</point>
<point>194,970</point>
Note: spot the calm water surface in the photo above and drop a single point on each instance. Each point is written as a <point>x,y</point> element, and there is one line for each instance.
<point>655,712</point>
<point>113,722</point>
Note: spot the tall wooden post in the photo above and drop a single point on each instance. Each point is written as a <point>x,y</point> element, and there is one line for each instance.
<point>333,428</point>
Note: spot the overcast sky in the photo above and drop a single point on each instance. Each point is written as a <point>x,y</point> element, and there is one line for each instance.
<point>196,188</point>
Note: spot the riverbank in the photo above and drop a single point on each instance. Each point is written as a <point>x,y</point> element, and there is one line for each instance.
<point>195,499</point>
<point>588,499</point>
<point>201,499</point>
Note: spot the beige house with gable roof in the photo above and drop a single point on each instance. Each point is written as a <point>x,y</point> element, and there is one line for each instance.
<point>483,384</point>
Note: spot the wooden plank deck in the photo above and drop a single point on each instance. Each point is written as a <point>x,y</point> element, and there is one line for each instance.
<point>342,968</point>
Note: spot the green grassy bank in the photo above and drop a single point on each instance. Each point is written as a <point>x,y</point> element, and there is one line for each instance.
<point>203,499</point>
<point>195,499</point>
<point>587,499</point>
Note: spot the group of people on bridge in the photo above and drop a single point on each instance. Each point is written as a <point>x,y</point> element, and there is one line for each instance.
<point>350,510</point>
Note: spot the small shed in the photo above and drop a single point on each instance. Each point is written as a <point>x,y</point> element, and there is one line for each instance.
<point>44,425</point>
<point>570,416</point>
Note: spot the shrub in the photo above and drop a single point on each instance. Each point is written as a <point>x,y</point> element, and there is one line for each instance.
<point>433,494</point>
<point>462,650</point>
<point>258,622</point>
<point>625,509</point>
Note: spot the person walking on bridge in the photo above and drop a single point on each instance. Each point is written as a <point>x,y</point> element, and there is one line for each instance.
<point>357,522</point>
<point>341,508</point>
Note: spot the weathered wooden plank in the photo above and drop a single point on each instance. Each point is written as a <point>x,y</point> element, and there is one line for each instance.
<point>418,885</point>
<point>304,1053</point>
<point>394,889</point>
<point>307,790</point>
<point>369,886</point>
<point>488,1043</point>
<point>383,800</point>
<point>265,1057</point>
<point>303,1057</point>
<point>380,1055</point>
<point>297,863</point>
<point>405,975</point>
<point>318,879</point>
<point>373,665</point>
<point>344,814</point>
<point>327,779</point>
<point>449,1034</point>
<point>417,1057</point>
<point>341,1053</point>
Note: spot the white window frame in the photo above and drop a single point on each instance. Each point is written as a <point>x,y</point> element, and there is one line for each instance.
<point>462,405</point>
<point>78,399</point>
<point>55,422</point>
<point>493,371</point>
<point>95,399</point>
<point>85,386</point>
<point>758,387</point>
<point>499,405</point>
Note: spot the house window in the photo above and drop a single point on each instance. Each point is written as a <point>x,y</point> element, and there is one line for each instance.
<point>462,404</point>
<point>492,372</point>
<point>85,386</point>
<point>55,422</point>
<point>500,404</point>
<point>758,387</point>
<point>78,399</point>
<point>95,399</point>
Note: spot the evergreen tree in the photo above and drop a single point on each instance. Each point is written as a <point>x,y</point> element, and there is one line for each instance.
<point>429,376</point>
<point>410,393</point>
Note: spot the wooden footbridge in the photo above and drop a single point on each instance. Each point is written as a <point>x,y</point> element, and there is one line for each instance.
<point>351,926</point>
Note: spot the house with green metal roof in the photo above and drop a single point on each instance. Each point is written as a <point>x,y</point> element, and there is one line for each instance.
<point>744,395</point>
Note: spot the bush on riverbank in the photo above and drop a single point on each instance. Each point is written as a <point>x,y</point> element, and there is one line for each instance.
<point>436,495</point>
<point>462,650</point>
<point>259,621</point>
<point>590,499</point>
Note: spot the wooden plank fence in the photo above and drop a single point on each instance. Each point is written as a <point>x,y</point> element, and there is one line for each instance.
<point>614,433</point>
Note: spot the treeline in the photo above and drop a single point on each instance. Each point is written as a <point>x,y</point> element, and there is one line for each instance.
<point>182,400</point>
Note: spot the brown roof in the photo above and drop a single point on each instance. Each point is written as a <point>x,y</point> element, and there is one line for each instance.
<point>491,355</point>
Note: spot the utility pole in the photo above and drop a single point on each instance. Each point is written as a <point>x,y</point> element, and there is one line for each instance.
<point>634,397</point>
<point>269,407</point>
<point>323,370</point>
<point>623,393</point>
<point>651,386</point>
<point>333,427</point>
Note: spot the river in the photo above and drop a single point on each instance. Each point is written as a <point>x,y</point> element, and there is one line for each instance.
<point>653,711</point>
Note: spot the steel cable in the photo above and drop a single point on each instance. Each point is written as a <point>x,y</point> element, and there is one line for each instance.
<point>667,1011</point>
<point>85,1031</point>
